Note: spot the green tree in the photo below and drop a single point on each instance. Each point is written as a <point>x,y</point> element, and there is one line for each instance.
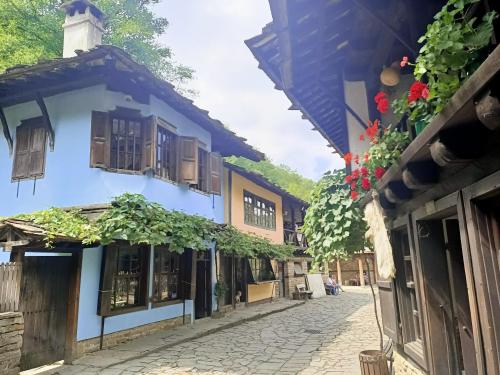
<point>31,30</point>
<point>280,175</point>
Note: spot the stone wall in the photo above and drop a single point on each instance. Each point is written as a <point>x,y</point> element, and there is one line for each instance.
<point>116,338</point>
<point>404,365</point>
<point>291,280</point>
<point>11,340</point>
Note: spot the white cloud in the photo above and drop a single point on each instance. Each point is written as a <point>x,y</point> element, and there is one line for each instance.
<point>209,36</point>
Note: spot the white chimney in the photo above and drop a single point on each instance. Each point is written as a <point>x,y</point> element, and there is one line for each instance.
<point>83,26</point>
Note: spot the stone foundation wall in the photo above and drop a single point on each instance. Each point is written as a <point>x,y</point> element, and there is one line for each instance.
<point>11,341</point>
<point>116,338</point>
<point>405,366</point>
<point>291,280</point>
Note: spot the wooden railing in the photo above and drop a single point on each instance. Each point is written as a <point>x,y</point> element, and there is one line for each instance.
<point>10,281</point>
<point>295,238</point>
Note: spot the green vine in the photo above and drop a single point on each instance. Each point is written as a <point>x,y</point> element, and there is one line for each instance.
<point>334,223</point>
<point>133,218</point>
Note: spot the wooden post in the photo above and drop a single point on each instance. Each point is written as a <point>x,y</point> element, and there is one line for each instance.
<point>339,273</point>
<point>193,276</point>
<point>73,303</point>
<point>361,276</point>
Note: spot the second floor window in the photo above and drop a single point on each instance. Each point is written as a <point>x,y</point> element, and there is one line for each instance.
<point>29,157</point>
<point>126,144</point>
<point>165,153</point>
<point>258,211</point>
<point>202,170</point>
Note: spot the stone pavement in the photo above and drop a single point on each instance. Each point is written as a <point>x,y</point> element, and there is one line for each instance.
<point>322,336</point>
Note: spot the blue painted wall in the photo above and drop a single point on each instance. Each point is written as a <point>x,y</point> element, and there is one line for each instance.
<point>4,256</point>
<point>69,181</point>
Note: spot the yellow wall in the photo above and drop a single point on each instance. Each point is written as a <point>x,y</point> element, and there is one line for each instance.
<point>262,291</point>
<point>240,183</point>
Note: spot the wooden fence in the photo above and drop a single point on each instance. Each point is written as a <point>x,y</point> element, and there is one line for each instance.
<point>10,281</point>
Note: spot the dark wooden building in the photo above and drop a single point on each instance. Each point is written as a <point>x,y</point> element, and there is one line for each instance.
<point>442,199</point>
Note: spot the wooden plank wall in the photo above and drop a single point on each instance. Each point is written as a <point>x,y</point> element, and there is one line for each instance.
<point>10,278</point>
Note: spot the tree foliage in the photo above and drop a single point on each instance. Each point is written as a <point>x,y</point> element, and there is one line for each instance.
<point>31,30</point>
<point>334,224</point>
<point>281,175</point>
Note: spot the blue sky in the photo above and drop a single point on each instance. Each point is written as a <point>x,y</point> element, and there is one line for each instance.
<point>208,35</point>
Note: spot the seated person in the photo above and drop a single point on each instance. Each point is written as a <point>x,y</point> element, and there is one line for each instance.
<point>331,285</point>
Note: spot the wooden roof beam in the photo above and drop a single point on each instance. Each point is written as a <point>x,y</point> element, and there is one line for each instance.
<point>46,119</point>
<point>6,131</point>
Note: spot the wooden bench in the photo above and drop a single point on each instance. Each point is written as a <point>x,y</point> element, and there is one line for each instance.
<point>302,292</point>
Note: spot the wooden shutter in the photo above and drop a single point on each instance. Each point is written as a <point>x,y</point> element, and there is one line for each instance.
<point>99,140</point>
<point>387,298</point>
<point>38,140</point>
<point>108,270</point>
<point>149,144</point>
<point>22,153</point>
<point>188,160</point>
<point>29,159</point>
<point>215,173</point>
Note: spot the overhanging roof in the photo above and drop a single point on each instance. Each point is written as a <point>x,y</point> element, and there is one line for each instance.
<point>112,66</point>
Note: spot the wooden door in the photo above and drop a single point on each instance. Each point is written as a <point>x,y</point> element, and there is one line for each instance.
<point>203,301</point>
<point>462,322</point>
<point>43,301</point>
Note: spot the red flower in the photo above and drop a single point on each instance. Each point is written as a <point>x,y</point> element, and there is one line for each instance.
<point>404,61</point>
<point>356,159</point>
<point>383,105</point>
<point>372,130</point>
<point>348,158</point>
<point>354,195</point>
<point>418,90</point>
<point>361,137</point>
<point>379,172</point>
<point>380,95</point>
<point>366,158</point>
<point>365,184</point>
<point>364,171</point>
<point>348,179</point>
<point>353,185</point>
<point>355,174</point>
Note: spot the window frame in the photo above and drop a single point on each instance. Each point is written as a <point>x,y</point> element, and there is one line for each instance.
<point>162,126</point>
<point>128,119</point>
<point>250,217</point>
<point>260,264</point>
<point>143,252</point>
<point>162,251</point>
<point>203,171</point>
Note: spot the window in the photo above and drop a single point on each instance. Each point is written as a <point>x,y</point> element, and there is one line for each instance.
<point>29,157</point>
<point>126,144</point>
<point>259,212</point>
<point>166,275</point>
<point>165,153</point>
<point>124,278</point>
<point>297,269</point>
<point>261,269</point>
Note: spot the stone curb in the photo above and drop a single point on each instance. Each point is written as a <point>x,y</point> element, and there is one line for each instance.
<point>202,334</point>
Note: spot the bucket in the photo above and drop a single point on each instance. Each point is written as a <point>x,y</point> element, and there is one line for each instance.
<point>373,362</point>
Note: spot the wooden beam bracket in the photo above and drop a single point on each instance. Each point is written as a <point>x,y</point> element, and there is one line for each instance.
<point>46,119</point>
<point>6,131</point>
<point>420,175</point>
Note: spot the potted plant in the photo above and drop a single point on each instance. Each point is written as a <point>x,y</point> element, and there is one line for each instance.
<point>221,289</point>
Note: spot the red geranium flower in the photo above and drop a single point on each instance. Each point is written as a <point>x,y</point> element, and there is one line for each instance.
<point>348,158</point>
<point>418,90</point>
<point>365,184</point>
<point>364,171</point>
<point>404,61</point>
<point>366,157</point>
<point>379,172</point>
<point>353,185</point>
<point>361,137</point>
<point>354,195</point>
<point>380,95</point>
<point>355,174</point>
<point>356,159</point>
<point>348,179</point>
<point>383,105</point>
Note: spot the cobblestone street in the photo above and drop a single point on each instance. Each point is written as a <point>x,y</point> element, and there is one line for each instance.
<point>323,336</point>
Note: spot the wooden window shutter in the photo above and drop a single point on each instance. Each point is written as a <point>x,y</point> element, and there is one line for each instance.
<point>100,140</point>
<point>388,303</point>
<point>29,158</point>
<point>188,160</point>
<point>22,153</point>
<point>149,147</point>
<point>215,173</point>
<point>108,270</point>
